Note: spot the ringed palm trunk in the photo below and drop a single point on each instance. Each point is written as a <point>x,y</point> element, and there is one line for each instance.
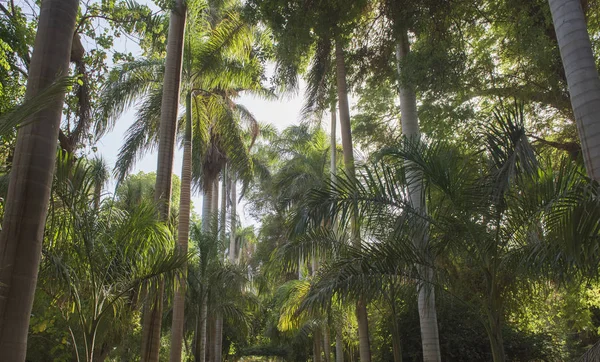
<point>31,179</point>
<point>426,293</point>
<point>339,344</point>
<point>326,344</point>
<point>348,150</point>
<point>232,246</point>
<point>183,231</point>
<point>152,320</point>
<point>317,339</point>
<point>201,322</point>
<point>582,77</point>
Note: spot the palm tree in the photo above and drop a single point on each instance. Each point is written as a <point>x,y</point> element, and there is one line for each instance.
<point>410,130</point>
<point>31,178</point>
<point>582,77</point>
<point>501,212</point>
<point>108,253</point>
<point>183,231</point>
<point>152,319</point>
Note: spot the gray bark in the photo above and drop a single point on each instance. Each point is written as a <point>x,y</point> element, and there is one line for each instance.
<point>582,77</point>
<point>31,179</point>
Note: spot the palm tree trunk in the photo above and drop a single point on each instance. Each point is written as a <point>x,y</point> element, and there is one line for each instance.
<point>218,338</point>
<point>339,344</point>
<point>31,179</point>
<point>326,344</point>
<point>169,107</point>
<point>333,144</point>
<point>210,339</point>
<point>348,150</point>
<point>151,328</point>
<point>317,339</point>
<point>201,323</point>
<point>233,211</point>
<point>215,207</point>
<point>494,330</point>
<point>582,77</point>
<point>223,211</point>
<point>183,231</point>
<point>426,294</point>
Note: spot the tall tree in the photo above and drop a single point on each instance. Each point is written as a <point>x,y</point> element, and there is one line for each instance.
<point>31,179</point>
<point>152,319</point>
<point>183,231</point>
<point>582,77</point>
<point>411,131</point>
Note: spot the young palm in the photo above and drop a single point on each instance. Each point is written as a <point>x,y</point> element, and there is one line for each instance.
<point>106,252</point>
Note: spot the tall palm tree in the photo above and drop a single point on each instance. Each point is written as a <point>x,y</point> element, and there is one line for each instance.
<point>183,231</point>
<point>410,129</point>
<point>152,319</point>
<point>31,178</point>
<point>582,77</point>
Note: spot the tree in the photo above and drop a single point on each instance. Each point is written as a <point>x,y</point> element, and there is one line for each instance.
<point>31,178</point>
<point>151,326</point>
<point>98,260</point>
<point>582,77</point>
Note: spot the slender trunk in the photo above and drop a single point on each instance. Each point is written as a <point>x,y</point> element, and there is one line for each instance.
<point>200,351</point>
<point>151,328</point>
<point>396,342</point>
<point>151,323</point>
<point>339,344</point>
<point>333,144</point>
<point>218,338</point>
<point>582,77</point>
<point>210,339</point>
<point>494,330</point>
<point>201,323</point>
<point>426,293</point>
<point>31,179</point>
<point>348,150</point>
<point>326,344</point>
<point>215,208</point>
<point>233,211</point>
<point>183,231</point>
<point>317,339</point>
<point>223,211</point>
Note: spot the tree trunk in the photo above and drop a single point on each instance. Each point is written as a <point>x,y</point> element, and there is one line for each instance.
<point>426,294</point>
<point>218,338</point>
<point>396,342</point>
<point>348,150</point>
<point>233,211</point>
<point>333,144</point>
<point>215,208</point>
<point>339,343</point>
<point>223,211</point>
<point>183,231</point>
<point>582,77</point>
<point>31,179</point>
<point>317,339</point>
<point>151,328</point>
<point>494,330</point>
<point>201,323</point>
<point>326,344</point>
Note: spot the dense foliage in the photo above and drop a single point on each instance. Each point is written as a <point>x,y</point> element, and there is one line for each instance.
<point>468,201</point>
